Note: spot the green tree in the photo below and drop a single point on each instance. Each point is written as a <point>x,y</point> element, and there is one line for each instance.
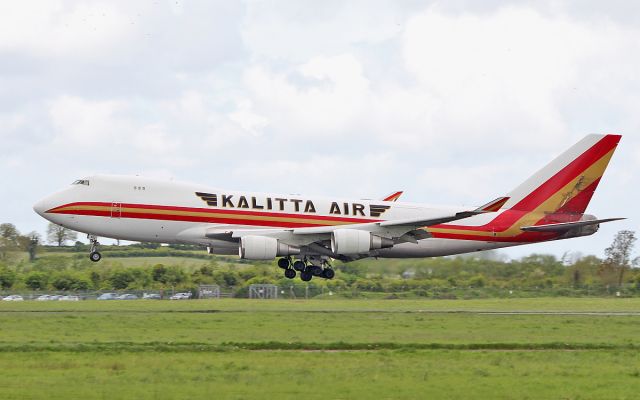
<point>8,239</point>
<point>9,233</point>
<point>172,275</point>
<point>30,243</point>
<point>175,276</point>
<point>618,255</point>
<point>59,234</point>
<point>583,271</point>
<point>69,281</point>
<point>158,273</point>
<point>121,279</point>
<point>36,280</point>
<point>7,278</point>
<point>226,278</point>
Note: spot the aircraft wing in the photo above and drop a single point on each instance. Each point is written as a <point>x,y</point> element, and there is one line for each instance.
<point>404,230</point>
<point>491,206</point>
<point>566,226</point>
<point>411,223</point>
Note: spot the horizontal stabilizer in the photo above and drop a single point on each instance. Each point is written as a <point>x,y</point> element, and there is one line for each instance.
<point>566,226</point>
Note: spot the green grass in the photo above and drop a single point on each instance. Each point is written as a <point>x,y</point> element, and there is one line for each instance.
<point>542,304</point>
<point>182,262</point>
<point>239,348</point>
<point>320,375</point>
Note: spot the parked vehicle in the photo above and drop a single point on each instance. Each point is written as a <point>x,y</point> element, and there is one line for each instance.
<point>13,297</point>
<point>69,298</point>
<point>181,296</point>
<point>127,296</point>
<point>108,296</point>
<point>151,296</point>
<point>47,297</point>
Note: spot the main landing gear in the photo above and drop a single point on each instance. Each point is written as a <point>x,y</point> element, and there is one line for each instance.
<point>94,255</point>
<point>307,270</point>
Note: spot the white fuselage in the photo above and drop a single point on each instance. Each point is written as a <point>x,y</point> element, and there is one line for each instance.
<point>150,210</point>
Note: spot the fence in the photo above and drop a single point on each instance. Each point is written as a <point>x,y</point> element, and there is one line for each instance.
<point>299,290</point>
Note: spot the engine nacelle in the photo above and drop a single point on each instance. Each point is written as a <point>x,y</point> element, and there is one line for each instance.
<point>264,248</point>
<point>353,241</point>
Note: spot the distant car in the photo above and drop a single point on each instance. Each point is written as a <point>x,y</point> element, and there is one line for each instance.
<point>69,298</point>
<point>13,297</point>
<point>127,296</point>
<point>151,296</point>
<point>46,297</point>
<point>108,296</point>
<point>181,296</point>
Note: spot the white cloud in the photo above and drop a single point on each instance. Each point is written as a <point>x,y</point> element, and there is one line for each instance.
<point>83,123</point>
<point>247,119</point>
<point>60,28</point>
<point>454,103</point>
<point>330,95</point>
<point>497,74</point>
<point>357,175</point>
<point>300,31</point>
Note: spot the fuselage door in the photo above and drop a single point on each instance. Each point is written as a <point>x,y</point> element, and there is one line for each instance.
<point>116,210</point>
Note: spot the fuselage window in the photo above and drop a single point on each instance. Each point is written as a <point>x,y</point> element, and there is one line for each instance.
<point>81,182</point>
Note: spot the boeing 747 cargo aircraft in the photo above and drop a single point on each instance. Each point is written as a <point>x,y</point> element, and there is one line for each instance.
<point>307,232</point>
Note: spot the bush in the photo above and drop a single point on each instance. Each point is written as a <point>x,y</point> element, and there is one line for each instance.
<point>7,278</point>
<point>68,281</point>
<point>121,279</point>
<point>37,280</point>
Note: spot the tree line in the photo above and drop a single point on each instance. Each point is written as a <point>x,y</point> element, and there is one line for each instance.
<point>67,268</point>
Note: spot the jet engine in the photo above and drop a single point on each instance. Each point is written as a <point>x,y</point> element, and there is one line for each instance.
<point>264,248</point>
<point>353,241</point>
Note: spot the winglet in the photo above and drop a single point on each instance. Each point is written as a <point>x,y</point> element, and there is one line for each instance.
<point>393,197</point>
<point>492,206</point>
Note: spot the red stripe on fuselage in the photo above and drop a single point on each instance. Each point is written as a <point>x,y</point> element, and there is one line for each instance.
<point>524,237</point>
<point>206,219</point>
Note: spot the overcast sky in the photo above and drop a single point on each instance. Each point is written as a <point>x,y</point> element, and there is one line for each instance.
<point>454,102</point>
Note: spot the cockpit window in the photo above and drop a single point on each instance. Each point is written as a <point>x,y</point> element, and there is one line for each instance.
<point>81,182</point>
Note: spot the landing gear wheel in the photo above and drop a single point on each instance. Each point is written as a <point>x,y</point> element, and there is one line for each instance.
<point>299,265</point>
<point>290,273</point>
<point>284,263</point>
<point>315,270</point>
<point>93,251</point>
<point>328,273</point>
<point>306,276</point>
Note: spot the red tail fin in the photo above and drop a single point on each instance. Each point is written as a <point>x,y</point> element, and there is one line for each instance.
<point>567,184</point>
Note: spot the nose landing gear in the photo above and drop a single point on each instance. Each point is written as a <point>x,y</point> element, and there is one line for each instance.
<point>94,255</point>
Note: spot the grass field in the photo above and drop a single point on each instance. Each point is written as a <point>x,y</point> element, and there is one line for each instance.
<point>337,349</point>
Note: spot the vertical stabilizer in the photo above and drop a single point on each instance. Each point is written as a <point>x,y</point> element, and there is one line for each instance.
<point>567,183</point>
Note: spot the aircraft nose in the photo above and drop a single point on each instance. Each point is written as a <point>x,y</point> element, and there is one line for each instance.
<point>42,206</point>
